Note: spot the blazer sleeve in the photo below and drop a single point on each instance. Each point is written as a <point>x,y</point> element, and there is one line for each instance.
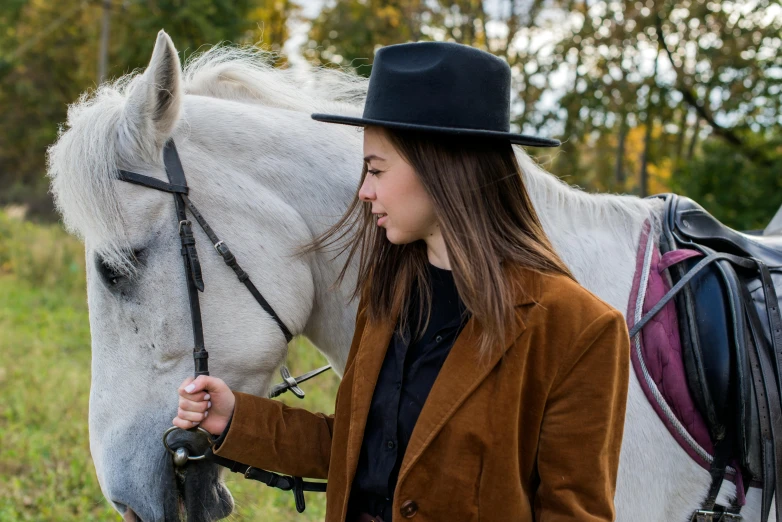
<point>583,424</point>
<point>270,435</point>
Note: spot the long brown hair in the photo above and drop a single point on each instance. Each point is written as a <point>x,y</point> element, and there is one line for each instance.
<point>486,218</point>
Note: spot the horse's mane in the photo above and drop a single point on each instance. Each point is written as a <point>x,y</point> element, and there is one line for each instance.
<point>245,74</point>
<point>82,163</point>
<point>569,209</point>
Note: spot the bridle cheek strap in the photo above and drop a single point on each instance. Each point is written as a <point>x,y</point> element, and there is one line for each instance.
<point>177,186</point>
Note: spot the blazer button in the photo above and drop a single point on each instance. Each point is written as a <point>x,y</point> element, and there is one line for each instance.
<point>409,508</point>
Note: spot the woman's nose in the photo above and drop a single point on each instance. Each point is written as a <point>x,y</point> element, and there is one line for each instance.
<point>367,191</point>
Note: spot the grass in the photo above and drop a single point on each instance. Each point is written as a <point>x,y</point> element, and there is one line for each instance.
<point>46,472</point>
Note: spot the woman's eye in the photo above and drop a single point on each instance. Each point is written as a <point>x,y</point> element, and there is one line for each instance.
<point>374,172</point>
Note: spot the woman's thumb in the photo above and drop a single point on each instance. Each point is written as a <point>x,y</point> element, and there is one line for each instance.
<point>199,384</point>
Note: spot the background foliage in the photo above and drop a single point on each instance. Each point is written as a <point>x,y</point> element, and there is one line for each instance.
<point>49,56</point>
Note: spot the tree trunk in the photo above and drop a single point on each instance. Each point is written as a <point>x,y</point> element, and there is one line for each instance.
<point>619,173</point>
<point>644,181</point>
<point>694,138</point>
<point>682,133</point>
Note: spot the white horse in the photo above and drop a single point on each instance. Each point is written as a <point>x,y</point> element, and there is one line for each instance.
<point>268,179</point>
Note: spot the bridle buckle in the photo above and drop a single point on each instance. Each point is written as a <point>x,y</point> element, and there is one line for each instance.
<point>706,515</point>
<point>183,223</point>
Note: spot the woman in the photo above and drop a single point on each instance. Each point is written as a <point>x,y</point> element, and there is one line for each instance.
<point>483,382</point>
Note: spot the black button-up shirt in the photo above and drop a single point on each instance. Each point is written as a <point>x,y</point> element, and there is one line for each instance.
<point>405,380</point>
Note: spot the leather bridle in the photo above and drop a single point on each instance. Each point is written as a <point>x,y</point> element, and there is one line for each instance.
<point>177,186</point>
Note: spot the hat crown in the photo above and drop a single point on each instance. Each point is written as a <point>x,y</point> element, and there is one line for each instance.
<point>441,84</point>
<point>439,87</point>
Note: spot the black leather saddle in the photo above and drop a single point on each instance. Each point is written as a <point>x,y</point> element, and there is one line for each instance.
<point>693,223</point>
<point>728,309</point>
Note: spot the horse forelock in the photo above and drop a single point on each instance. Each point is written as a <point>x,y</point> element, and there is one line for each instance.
<point>83,162</point>
<point>82,165</point>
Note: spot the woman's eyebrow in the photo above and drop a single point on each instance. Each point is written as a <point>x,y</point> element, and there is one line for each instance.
<point>373,156</point>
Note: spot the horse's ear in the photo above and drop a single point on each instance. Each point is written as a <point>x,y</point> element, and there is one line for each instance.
<point>154,104</point>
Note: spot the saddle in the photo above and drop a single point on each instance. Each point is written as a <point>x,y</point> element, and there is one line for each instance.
<point>726,291</point>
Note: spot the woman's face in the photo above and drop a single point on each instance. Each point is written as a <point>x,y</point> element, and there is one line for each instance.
<point>398,198</point>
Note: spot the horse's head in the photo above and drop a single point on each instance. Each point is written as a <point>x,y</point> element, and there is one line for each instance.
<point>266,178</point>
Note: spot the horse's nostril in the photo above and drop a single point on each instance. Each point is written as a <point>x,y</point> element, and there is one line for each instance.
<point>130,516</point>
<point>127,514</point>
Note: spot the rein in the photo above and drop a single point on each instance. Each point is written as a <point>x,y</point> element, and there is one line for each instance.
<point>177,186</point>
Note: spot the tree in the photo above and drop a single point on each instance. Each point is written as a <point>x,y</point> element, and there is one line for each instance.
<point>49,54</point>
<point>728,74</point>
<point>346,33</point>
<point>730,185</point>
<point>602,74</point>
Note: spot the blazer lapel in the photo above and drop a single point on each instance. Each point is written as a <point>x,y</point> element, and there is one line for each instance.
<point>462,373</point>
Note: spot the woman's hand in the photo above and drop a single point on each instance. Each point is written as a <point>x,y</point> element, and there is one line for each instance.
<point>205,401</point>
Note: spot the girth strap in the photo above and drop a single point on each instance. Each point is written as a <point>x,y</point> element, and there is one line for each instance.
<point>722,450</point>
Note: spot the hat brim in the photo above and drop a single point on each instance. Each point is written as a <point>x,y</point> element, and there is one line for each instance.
<point>521,139</point>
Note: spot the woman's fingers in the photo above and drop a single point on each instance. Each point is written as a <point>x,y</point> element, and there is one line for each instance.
<point>185,425</point>
<point>193,416</point>
<point>197,406</point>
<point>201,398</point>
<point>192,386</point>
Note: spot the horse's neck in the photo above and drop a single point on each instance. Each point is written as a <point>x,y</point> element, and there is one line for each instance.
<point>314,170</point>
<point>320,191</point>
<point>331,323</point>
<point>596,235</point>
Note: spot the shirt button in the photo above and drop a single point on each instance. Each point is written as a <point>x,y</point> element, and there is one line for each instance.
<point>409,508</point>
<point>391,444</point>
<point>438,338</point>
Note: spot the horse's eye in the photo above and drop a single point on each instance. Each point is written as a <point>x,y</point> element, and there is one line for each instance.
<point>112,277</point>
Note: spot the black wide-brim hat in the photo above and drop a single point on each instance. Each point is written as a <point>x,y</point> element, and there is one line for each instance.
<point>440,87</point>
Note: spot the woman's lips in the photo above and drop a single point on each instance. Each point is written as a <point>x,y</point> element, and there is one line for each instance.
<point>381,219</point>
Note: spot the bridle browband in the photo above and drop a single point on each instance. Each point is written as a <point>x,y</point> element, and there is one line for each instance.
<point>177,186</point>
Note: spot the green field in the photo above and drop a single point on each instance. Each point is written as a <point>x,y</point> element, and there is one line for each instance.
<point>46,472</point>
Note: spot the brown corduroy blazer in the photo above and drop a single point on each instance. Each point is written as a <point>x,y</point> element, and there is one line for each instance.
<point>536,432</point>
